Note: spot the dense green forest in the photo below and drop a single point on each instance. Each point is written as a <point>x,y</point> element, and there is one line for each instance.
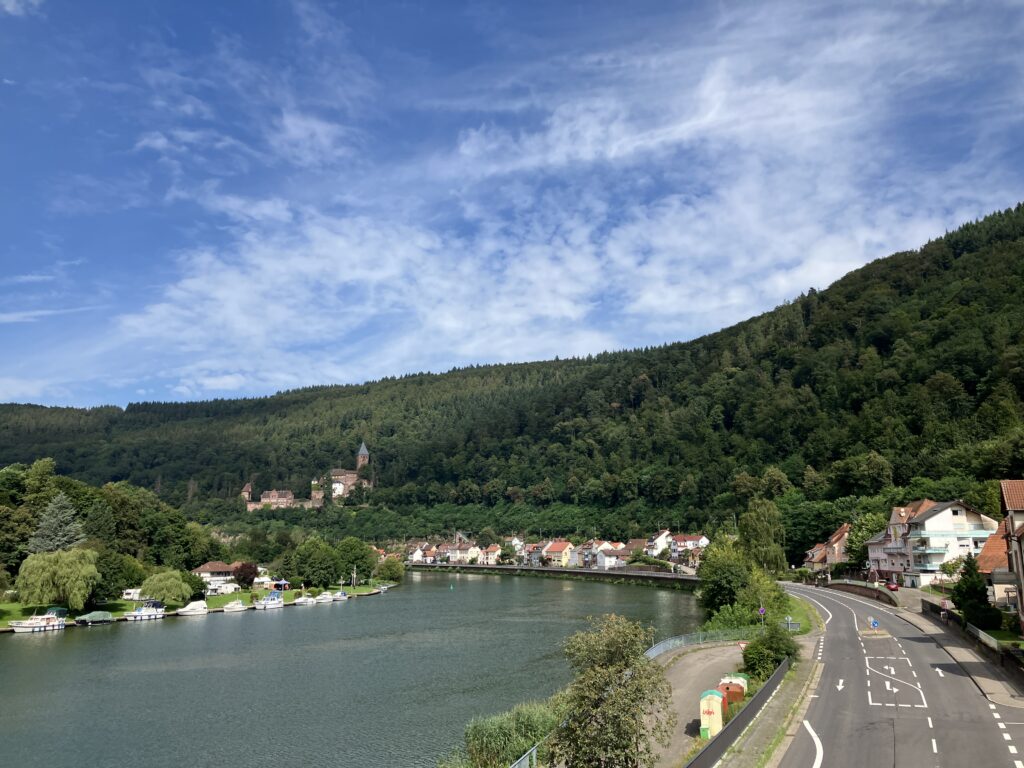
<point>904,377</point>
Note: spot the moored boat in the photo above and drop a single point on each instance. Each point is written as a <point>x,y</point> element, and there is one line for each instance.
<point>325,597</point>
<point>304,600</point>
<point>54,619</point>
<point>96,617</point>
<point>235,606</point>
<point>148,611</point>
<point>341,594</point>
<point>195,608</point>
<point>273,600</point>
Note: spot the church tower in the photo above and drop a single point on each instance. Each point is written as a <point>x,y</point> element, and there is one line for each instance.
<point>363,457</point>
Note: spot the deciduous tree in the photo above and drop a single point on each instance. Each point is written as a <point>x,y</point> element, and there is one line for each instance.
<point>619,703</point>
<point>169,586</point>
<point>64,576</point>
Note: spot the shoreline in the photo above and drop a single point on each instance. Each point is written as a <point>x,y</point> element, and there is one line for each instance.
<point>172,614</point>
<point>679,582</point>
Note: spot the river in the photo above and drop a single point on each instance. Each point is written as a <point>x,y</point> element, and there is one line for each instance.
<point>384,682</point>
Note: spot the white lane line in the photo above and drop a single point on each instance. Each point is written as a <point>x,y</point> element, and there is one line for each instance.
<point>1002,726</point>
<point>1013,749</point>
<point>1018,764</point>
<point>826,610</point>
<point>1007,737</point>
<point>935,749</point>
<point>930,723</point>
<point>991,706</point>
<point>996,715</point>
<point>819,751</point>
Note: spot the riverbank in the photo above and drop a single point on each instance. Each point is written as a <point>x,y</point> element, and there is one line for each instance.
<point>215,603</point>
<point>661,579</point>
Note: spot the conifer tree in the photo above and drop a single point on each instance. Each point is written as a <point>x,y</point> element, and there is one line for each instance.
<point>59,527</point>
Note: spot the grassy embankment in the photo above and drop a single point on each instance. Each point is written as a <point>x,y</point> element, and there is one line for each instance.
<point>16,611</point>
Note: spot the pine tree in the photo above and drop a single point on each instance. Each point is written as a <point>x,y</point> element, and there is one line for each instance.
<point>59,527</point>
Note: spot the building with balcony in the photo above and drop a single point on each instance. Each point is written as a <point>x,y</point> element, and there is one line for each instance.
<point>944,532</point>
<point>1012,501</point>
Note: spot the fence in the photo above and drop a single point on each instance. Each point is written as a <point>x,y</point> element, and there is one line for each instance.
<point>717,747</point>
<point>698,638</point>
<point>529,760</point>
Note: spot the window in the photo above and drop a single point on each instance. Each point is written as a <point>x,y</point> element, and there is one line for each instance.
<point>956,511</point>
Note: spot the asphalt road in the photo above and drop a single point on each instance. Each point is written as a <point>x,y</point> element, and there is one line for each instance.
<point>892,697</point>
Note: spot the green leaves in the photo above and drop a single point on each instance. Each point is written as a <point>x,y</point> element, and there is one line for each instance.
<point>66,577</point>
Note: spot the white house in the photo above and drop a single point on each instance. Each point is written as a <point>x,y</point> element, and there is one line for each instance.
<point>945,532</point>
<point>490,555</point>
<point>684,542</point>
<point>657,543</point>
<point>464,553</point>
<point>216,574</point>
<point>610,558</point>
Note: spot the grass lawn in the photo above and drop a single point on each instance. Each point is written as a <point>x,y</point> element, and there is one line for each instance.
<point>801,612</point>
<point>17,611</point>
<point>1004,636</point>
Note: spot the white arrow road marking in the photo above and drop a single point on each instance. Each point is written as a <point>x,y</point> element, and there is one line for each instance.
<point>887,686</point>
<point>819,751</point>
<point>891,669</point>
<point>940,672</point>
<point>839,686</point>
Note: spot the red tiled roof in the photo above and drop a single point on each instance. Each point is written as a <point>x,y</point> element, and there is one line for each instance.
<point>993,554</point>
<point>843,530</point>
<point>493,548</point>
<point>559,546</point>
<point>1013,494</point>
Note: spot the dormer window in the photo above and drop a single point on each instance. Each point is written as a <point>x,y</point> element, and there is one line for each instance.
<point>956,511</point>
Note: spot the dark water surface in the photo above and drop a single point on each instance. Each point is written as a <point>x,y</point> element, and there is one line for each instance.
<point>387,681</point>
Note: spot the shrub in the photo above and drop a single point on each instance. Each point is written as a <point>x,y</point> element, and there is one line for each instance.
<point>763,655</point>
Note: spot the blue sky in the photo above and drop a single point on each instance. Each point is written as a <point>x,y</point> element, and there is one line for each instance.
<point>203,199</point>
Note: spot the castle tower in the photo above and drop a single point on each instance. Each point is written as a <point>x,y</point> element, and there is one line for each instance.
<point>363,457</point>
<point>247,492</point>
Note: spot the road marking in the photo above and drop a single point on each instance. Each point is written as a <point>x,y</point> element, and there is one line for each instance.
<point>1018,764</point>
<point>935,749</point>
<point>1002,726</point>
<point>839,686</point>
<point>991,706</point>
<point>930,723</point>
<point>819,751</point>
<point>1007,737</point>
<point>1013,749</point>
<point>940,672</point>
<point>996,715</point>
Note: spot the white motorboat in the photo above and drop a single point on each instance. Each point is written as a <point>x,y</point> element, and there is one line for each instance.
<point>383,587</point>
<point>341,594</point>
<point>304,600</point>
<point>52,620</point>
<point>325,597</point>
<point>196,608</point>
<point>148,611</point>
<point>235,606</point>
<point>273,600</point>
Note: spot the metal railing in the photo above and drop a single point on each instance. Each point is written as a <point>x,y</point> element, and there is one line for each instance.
<point>699,638</point>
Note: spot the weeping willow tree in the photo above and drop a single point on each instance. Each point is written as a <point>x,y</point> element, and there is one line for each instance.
<point>66,577</point>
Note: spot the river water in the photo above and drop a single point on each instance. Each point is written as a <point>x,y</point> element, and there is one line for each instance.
<point>386,681</point>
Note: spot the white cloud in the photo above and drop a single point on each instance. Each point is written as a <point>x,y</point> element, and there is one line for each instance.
<point>20,7</point>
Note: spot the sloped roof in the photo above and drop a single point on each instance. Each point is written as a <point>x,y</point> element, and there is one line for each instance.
<point>909,512</point>
<point>878,537</point>
<point>841,531</point>
<point>1013,494</point>
<point>214,566</point>
<point>935,509</point>
<point>993,554</point>
<point>363,451</point>
<point>559,546</point>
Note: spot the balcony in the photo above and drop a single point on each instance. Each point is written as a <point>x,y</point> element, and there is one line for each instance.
<point>926,550</point>
<point>897,549</point>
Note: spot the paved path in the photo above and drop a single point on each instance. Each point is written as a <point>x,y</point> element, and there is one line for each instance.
<point>691,671</point>
<point>890,696</point>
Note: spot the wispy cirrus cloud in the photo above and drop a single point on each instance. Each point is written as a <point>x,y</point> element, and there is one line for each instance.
<point>354,210</point>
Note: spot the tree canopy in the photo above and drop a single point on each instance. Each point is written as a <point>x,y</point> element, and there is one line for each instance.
<point>64,576</point>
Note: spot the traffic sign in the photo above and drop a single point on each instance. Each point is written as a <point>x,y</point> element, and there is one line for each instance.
<point>742,644</point>
<point>761,610</point>
<point>874,623</point>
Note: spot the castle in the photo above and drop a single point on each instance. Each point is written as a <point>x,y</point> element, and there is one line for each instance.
<point>340,481</point>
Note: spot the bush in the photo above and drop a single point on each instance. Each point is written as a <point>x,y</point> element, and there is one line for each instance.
<point>984,616</point>
<point>763,655</point>
<point>313,592</point>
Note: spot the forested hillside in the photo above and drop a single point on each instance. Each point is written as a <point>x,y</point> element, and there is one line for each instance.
<point>911,367</point>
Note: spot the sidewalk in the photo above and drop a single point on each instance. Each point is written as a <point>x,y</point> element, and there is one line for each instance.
<point>994,685</point>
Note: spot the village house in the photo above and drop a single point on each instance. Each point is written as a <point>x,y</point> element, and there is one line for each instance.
<point>490,555</point>
<point>658,543</point>
<point>925,534</point>
<point>612,556</point>
<point>219,576</point>
<point>558,552</point>
<point>465,552</point>
<point>822,556</point>
<point>533,554</point>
